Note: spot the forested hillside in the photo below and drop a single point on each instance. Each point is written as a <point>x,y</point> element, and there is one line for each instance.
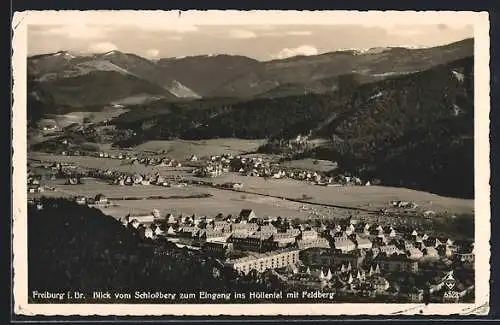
<point>73,248</point>
<point>372,128</point>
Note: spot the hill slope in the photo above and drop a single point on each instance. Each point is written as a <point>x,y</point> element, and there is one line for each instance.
<point>74,247</point>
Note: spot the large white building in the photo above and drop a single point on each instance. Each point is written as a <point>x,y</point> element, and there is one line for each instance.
<point>266,261</point>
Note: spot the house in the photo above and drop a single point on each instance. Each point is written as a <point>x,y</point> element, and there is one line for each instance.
<point>309,235</point>
<point>146,232</point>
<point>362,242</point>
<point>350,229</point>
<point>72,181</point>
<point>142,218</point>
<point>237,186</point>
<point>396,263</point>
<point>465,253</point>
<point>344,244</point>
<point>379,284</point>
<point>432,242</point>
<point>380,240</point>
<point>217,248</point>
<point>101,199</point>
<point>444,251</point>
<point>257,242</point>
<point>247,214</point>
<point>171,220</point>
<point>82,200</point>
<point>188,231</point>
<point>268,229</point>
<point>212,235</point>
<point>388,250</point>
<point>265,261</point>
<point>414,253</point>
<point>156,213</point>
<point>222,225</point>
<point>431,252</point>
<point>245,228</point>
<point>319,242</point>
<point>170,231</point>
<point>157,231</point>
<point>374,269</point>
<point>284,238</point>
<point>415,295</point>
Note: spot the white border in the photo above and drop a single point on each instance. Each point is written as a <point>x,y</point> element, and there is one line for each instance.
<point>479,20</point>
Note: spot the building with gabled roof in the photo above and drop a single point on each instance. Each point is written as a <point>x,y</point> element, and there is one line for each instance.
<point>247,214</point>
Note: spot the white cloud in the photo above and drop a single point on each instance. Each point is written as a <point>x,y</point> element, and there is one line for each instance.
<point>86,31</point>
<point>300,50</point>
<point>171,27</point>
<point>102,47</point>
<point>289,33</point>
<point>261,27</point>
<point>299,33</point>
<point>405,32</point>
<point>153,53</point>
<point>272,34</point>
<point>77,31</point>
<point>241,34</point>
<point>175,38</point>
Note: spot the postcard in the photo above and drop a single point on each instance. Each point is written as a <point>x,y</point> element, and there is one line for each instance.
<point>250,163</point>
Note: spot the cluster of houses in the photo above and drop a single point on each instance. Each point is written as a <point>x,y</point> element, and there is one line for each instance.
<point>259,167</point>
<point>34,185</point>
<point>100,200</point>
<point>96,154</point>
<point>215,166</point>
<point>356,257</point>
<point>128,179</point>
<point>156,161</point>
<point>74,175</point>
<point>132,158</point>
<point>128,156</point>
<point>35,182</point>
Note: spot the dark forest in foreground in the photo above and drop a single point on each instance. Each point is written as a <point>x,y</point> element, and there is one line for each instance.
<point>78,248</point>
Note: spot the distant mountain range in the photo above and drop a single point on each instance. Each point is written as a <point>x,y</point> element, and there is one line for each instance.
<point>99,79</point>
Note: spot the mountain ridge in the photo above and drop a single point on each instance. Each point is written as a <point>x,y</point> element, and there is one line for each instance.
<point>237,76</point>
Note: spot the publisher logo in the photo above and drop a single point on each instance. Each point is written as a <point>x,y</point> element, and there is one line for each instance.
<point>449,282</point>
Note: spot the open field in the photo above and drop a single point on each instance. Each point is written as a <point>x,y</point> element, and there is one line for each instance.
<point>372,197</point>
<point>92,187</point>
<point>311,164</point>
<point>113,164</point>
<point>223,202</point>
<point>136,99</point>
<point>95,117</point>
<point>182,149</point>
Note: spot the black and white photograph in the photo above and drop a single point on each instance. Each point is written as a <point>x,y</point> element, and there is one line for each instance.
<point>251,163</point>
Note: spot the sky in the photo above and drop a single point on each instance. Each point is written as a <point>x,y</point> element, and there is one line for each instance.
<point>263,41</point>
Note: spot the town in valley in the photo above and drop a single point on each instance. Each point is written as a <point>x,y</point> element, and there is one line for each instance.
<point>343,176</point>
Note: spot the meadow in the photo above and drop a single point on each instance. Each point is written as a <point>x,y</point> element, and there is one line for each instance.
<point>92,187</point>
<point>64,120</point>
<point>369,197</point>
<point>311,164</point>
<point>182,149</point>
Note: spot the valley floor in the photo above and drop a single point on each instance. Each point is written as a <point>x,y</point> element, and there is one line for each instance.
<point>283,197</point>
